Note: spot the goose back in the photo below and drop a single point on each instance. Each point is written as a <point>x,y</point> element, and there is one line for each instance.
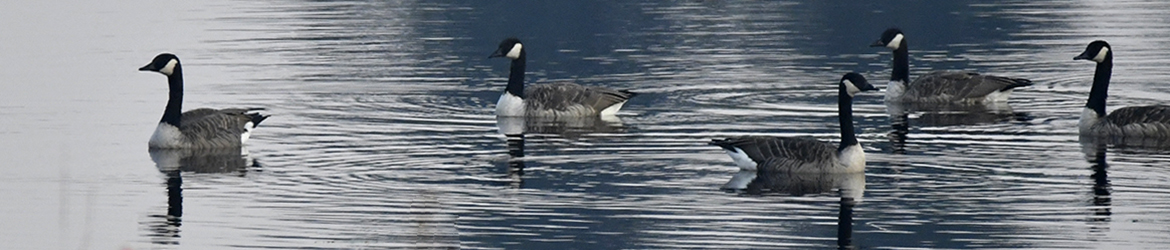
<point>961,86</point>
<point>219,128</point>
<point>570,99</point>
<point>783,154</point>
<point>207,128</point>
<point>1137,121</point>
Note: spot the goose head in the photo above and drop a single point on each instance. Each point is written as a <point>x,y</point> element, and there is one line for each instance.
<point>164,63</point>
<point>855,83</point>
<point>1098,51</point>
<point>510,48</point>
<point>892,38</point>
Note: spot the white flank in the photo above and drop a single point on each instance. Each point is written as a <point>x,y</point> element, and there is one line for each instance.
<point>509,105</point>
<point>850,88</point>
<point>853,157</point>
<point>248,127</point>
<point>997,96</point>
<point>1101,54</point>
<point>166,136</point>
<point>170,68</point>
<point>612,109</point>
<point>515,52</point>
<point>895,90</point>
<point>742,160</point>
<point>1088,119</point>
<point>895,43</point>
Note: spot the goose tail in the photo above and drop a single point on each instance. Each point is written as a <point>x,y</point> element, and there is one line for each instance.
<point>628,94</point>
<point>1016,83</point>
<point>256,118</point>
<point>722,143</point>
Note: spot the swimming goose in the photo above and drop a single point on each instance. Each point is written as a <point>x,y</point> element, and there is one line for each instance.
<point>941,86</point>
<point>802,154</point>
<point>551,100</point>
<point>1140,121</point>
<point>199,128</point>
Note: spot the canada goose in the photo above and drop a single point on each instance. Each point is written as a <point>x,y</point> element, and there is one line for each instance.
<point>551,100</point>
<point>198,128</point>
<point>802,154</point>
<point>1139,121</point>
<point>941,86</point>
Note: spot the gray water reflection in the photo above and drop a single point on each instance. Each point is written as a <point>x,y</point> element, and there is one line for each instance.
<point>383,136</point>
<point>849,187</point>
<point>388,126</point>
<point>164,229</point>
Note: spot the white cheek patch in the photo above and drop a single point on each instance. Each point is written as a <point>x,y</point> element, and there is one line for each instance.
<point>1101,54</point>
<point>895,43</point>
<point>850,88</point>
<point>170,68</point>
<point>515,52</point>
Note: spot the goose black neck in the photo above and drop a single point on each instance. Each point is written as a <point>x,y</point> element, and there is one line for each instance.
<point>901,64</point>
<point>1100,87</point>
<point>516,77</point>
<point>175,104</point>
<point>845,114</point>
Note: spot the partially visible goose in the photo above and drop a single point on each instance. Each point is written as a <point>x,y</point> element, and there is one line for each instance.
<point>941,86</point>
<point>198,128</point>
<point>1140,121</point>
<point>801,154</point>
<point>551,100</point>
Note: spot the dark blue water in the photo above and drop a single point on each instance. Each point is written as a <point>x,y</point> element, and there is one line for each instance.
<point>383,132</point>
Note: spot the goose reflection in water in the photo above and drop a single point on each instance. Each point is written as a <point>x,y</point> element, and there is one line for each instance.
<point>568,127</point>
<point>850,187</point>
<point>1095,150</point>
<point>1102,192</point>
<point>514,130</point>
<point>173,163</point>
<point>940,115</point>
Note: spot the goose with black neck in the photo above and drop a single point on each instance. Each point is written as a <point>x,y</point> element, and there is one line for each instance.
<point>769,154</point>
<point>554,99</point>
<point>962,87</point>
<point>1129,122</point>
<point>198,128</point>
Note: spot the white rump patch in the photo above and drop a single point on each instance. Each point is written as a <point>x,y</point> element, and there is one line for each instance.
<point>1101,54</point>
<point>850,88</point>
<point>248,127</point>
<point>510,105</point>
<point>515,52</point>
<point>997,96</point>
<point>612,109</point>
<point>742,160</point>
<point>853,157</point>
<point>170,68</point>
<point>896,42</point>
<point>166,136</point>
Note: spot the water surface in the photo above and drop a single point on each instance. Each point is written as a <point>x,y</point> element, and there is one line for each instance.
<point>383,133</point>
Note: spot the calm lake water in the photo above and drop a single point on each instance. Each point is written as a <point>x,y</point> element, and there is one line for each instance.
<point>383,135</point>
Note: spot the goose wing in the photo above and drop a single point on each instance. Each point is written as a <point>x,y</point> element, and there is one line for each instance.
<point>1155,114</point>
<point>782,153</point>
<point>211,128</point>
<point>565,96</point>
<point>199,113</point>
<point>963,84</point>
